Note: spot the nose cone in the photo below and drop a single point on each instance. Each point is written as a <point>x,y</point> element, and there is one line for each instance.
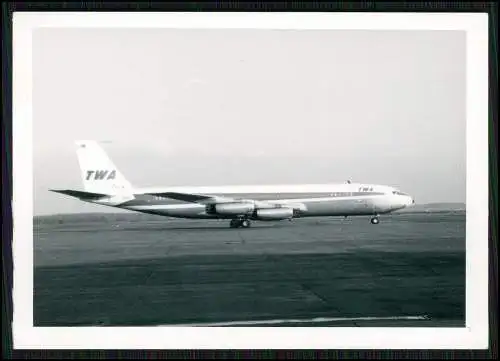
<point>404,202</point>
<point>401,200</point>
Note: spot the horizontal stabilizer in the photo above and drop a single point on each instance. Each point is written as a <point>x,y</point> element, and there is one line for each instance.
<point>80,194</point>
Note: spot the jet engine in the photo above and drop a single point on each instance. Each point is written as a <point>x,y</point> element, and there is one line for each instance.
<point>232,209</point>
<point>274,214</point>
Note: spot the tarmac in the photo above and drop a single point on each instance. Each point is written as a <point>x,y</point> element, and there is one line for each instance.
<point>409,270</point>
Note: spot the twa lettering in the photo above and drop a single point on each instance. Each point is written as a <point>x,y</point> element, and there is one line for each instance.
<point>365,189</point>
<point>101,174</point>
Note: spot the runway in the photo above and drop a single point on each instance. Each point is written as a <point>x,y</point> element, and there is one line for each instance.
<point>129,269</point>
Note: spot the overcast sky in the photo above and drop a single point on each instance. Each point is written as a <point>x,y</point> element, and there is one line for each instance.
<point>219,107</point>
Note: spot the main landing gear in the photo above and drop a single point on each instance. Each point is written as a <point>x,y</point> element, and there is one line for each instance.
<point>239,222</point>
<point>374,220</point>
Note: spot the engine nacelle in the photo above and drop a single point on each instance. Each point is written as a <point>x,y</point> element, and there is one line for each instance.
<point>233,209</point>
<point>274,214</point>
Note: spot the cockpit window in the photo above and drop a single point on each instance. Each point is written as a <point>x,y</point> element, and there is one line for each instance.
<point>399,193</point>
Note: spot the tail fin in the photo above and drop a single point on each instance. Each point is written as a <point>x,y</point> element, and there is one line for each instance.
<point>98,172</point>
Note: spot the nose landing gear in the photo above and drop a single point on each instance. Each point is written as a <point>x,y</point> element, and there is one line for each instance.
<point>374,220</point>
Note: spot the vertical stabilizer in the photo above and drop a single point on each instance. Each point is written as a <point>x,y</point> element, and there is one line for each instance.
<point>98,172</point>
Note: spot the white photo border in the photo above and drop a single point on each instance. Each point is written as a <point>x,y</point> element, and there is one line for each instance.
<point>473,336</point>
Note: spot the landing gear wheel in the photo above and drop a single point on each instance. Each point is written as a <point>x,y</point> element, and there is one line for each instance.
<point>237,223</point>
<point>374,220</point>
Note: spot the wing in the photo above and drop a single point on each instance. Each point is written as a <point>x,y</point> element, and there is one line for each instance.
<point>195,198</point>
<point>210,199</point>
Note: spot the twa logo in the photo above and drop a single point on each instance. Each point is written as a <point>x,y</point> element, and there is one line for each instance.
<point>101,174</point>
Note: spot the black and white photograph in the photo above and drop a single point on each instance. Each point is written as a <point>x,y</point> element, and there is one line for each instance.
<point>216,179</point>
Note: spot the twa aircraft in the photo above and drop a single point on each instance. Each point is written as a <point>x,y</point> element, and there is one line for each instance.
<point>105,185</point>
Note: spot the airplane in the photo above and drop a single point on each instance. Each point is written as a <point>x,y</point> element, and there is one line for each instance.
<point>104,184</point>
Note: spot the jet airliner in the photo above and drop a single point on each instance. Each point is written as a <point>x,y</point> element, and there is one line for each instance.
<point>105,185</point>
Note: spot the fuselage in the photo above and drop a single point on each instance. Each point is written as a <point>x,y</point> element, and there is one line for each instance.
<point>309,200</point>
